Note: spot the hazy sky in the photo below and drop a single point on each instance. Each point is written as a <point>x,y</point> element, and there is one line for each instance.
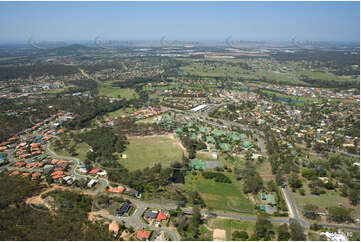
<point>316,21</point>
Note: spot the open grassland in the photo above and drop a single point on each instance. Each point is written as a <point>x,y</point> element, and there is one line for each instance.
<point>81,150</point>
<point>146,151</point>
<point>119,113</point>
<point>148,120</point>
<point>110,91</point>
<point>324,76</point>
<point>204,155</point>
<point>329,199</point>
<point>217,70</point>
<point>303,99</point>
<point>221,196</point>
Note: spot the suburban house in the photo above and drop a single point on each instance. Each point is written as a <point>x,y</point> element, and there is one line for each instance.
<point>133,192</point>
<point>161,216</point>
<point>143,234</point>
<point>94,171</point>
<point>113,227</point>
<point>92,182</point>
<point>118,189</point>
<point>123,209</point>
<point>151,214</point>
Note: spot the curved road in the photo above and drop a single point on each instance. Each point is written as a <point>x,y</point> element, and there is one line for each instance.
<point>104,182</point>
<point>136,220</point>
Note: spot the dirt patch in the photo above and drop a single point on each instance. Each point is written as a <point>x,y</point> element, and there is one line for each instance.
<point>126,236</point>
<point>219,235</point>
<point>97,215</point>
<point>177,142</point>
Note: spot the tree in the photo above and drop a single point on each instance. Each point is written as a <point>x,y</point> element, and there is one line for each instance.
<point>263,226</point>
<point>294,181</point>
<point>240,235</point>
<point>196,220</point>
<point>283,233</point>
<point>309,211</point>
<point>339,214</point>
<point>296,231</point>
<point>271,186</point>
<point>302,191</point>
<point>329,185</point>
<point>354,197</point>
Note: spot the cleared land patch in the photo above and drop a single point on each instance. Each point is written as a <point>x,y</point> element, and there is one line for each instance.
<point>116,92</point>
<point>81,150</point>
<point>147,151</point>
<point>218,195</point>
<point>229,226</point>
<point>329,199</point>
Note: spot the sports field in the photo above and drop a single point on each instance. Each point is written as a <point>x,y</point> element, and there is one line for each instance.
<point>146,151</point>
<point>116,92</point>
<point>219,196</point>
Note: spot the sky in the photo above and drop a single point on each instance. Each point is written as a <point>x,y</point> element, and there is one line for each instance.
<point>190,21</point>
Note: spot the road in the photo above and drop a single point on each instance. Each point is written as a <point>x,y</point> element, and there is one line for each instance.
<point>290,203</point>
<point>136,221</point>
<point>292,207</point>
<point>294,214</point>
<point>103,182</point>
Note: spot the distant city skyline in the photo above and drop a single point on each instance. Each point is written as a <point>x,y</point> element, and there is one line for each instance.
<point>188,21</point>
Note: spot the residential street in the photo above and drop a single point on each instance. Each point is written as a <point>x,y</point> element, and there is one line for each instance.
<point>136,221</point>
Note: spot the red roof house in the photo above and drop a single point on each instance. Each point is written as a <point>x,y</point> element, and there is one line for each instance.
<point>119,189</point>
<point>35,175</point>
<point>113,227</point>
<point>161,216</point>
<point>14,173</point>
<point>19,163</point>
<point>143,234</point>
<point>94,171</point>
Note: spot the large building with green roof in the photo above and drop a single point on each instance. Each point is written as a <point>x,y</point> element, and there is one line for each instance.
<point>210,139</point>
<point>271,200</point>
<point>217,132</point>
<point>203,130</point>
<point>243,136</point>
<point>225,147</point>
<point>234,137</point>
<point>247,145</point>
<point>198,164</point>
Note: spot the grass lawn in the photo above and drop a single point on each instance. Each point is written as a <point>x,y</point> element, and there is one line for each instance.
<point>324,75</point>
<point>147,151</point>
<point>205,233</point>
<point>110,91</point>
<point>205,156</point>
<point>119,113</point>
<point>304,99</point>
<point>221,196</point>
<point>58,90</point>
<point>232,225</point>
<point>313,236</point>
<point>81,149</point>
<point>220,70</point>
<point>329,199</point>
<point>148,120</point>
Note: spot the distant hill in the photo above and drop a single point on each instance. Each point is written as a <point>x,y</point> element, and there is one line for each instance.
<point>70,49</point>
